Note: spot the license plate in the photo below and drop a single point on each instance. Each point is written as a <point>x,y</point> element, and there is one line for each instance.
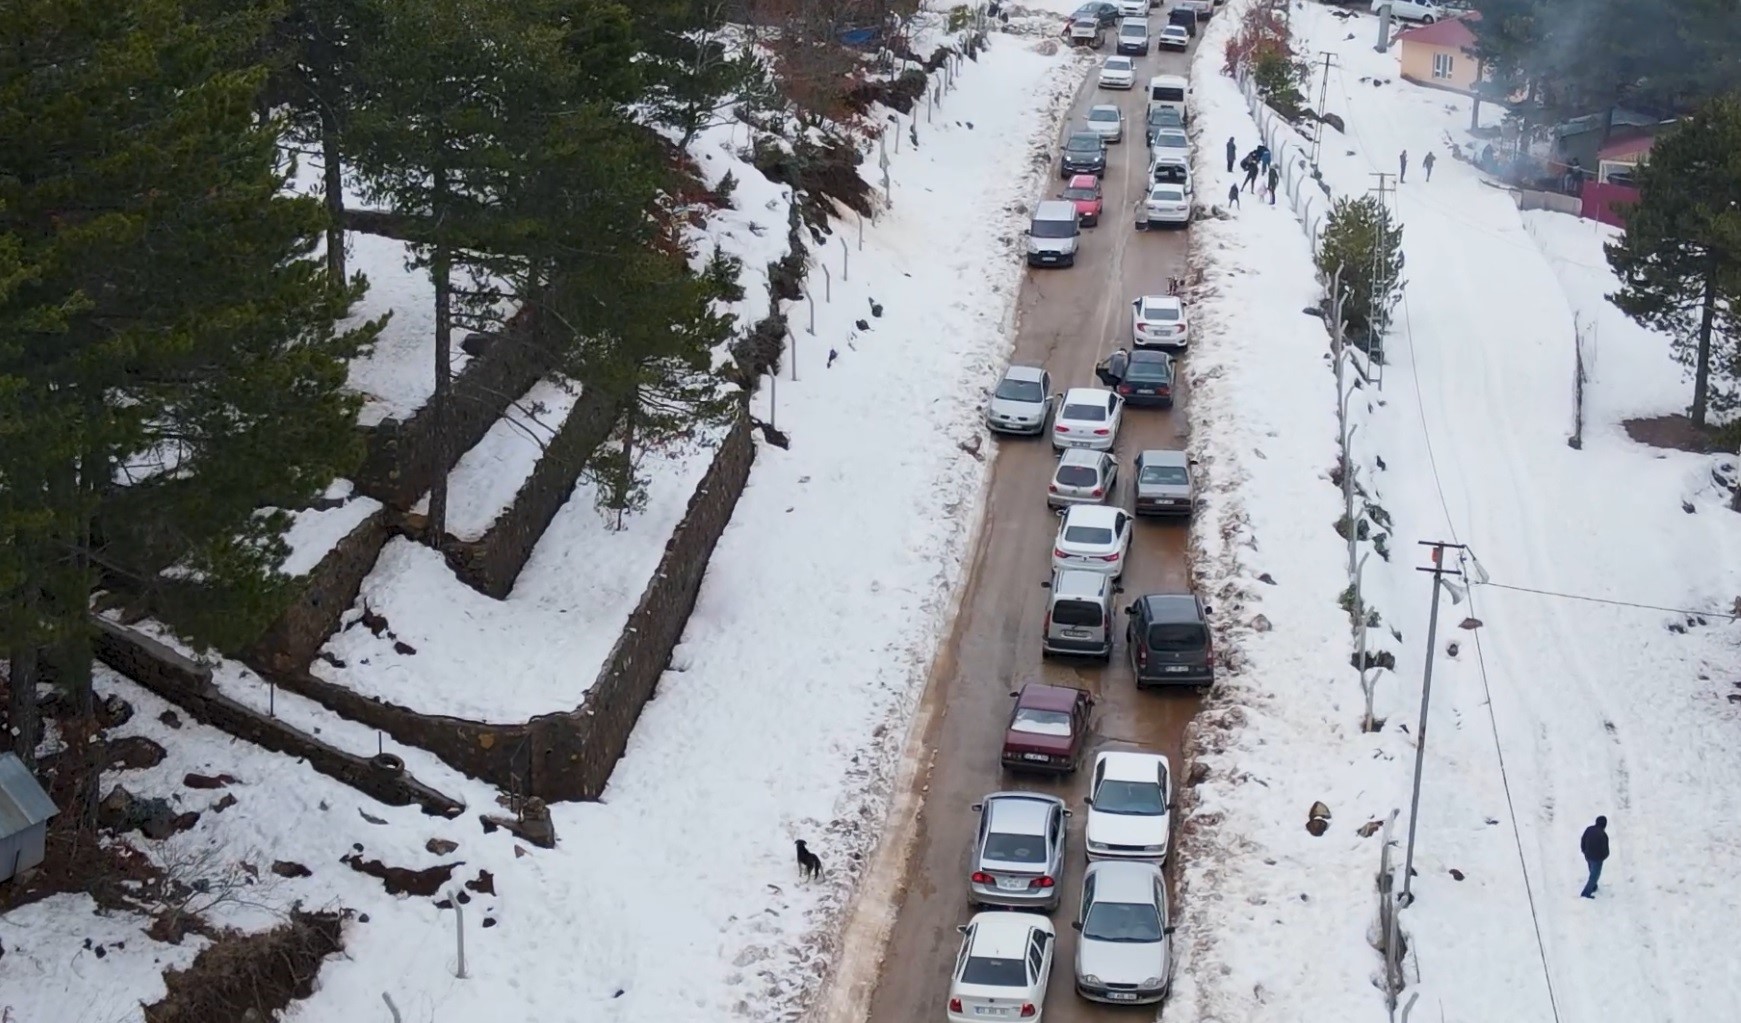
<point>1145,390</point>
<point>1041,757</point>
<point>1178,667</point>
<point>1121,996</point>
<point>1077,633</point>
<point>986,1010</point>
<point>1013,884</point>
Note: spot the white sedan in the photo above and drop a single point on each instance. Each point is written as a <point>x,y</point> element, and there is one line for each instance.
<point>1107,121</point>
<point>1092,537</point>
<point>1130,806</point>
<point>1167,204</point>
<point>1003,967</point>
<point>1174,38</point>
<point>1117,73</point>
<point>1159,321</point>
<point>1088,417</point>
<point>1169,142</point>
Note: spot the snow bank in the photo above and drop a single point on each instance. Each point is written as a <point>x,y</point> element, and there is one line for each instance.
<point>314,532</point>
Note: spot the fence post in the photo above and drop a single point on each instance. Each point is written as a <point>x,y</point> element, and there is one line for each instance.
<point>392,1009</point>
<point>846,253</point>
<point>811,302</point>
<point>459,932</point>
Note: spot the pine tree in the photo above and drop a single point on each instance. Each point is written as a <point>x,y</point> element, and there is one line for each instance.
<point>1361,243</point>
<point>699,71</point>
<point>171,312</point>
<point>1679,261</point>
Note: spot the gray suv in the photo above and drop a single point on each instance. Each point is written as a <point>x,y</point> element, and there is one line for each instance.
<point>1169,640</point>
<point>1084,153</point>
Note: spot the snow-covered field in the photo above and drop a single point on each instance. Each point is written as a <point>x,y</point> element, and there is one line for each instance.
<point>1550,711</point>
<point>674,897</point>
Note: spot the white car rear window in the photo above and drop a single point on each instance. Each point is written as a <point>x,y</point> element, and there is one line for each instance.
<point>1160,312</point>
<point>1088,536</point>
<point>1085,413</point>
<point>1167,194</point>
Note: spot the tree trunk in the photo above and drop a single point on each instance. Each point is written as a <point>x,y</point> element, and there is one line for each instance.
<point>1702,367</point>
<point>334,173</point>
<point>1475,107</point>
<point>21,717</point>
<point>441,271</point>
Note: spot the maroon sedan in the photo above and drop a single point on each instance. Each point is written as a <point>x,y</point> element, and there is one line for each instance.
<point>1084,191</point>
<point>1048,728</point>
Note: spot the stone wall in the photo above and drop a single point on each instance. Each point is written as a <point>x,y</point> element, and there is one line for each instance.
<point>402,462</point>
<point>491,563</point>
<point>574,753</point>
<point>188,685</point>
<point>323,595</point>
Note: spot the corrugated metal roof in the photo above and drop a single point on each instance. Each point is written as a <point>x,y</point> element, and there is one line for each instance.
<point>23,804</point>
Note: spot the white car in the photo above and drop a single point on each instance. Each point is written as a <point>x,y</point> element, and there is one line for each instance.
<point>1169,143</point>
<point>1117,73</point>
<point>1095,538</point>
<point>1107,121</point>
<point>1167,204</point>
<point>1132,8</point>
<point>1171,169</point>
<point>1410,10</point>
<point>1021,401</point>
<point>1003,967</point>
<point>1173,37</point>
<point>1159,321</point>
<point>1125,954</point>
<point>1087,417</point>
<point>1130,807</point>
<point>1082,477</point>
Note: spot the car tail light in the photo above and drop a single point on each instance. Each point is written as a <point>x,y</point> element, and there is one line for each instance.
<point>1110,557</point>
<point>955,1005</point>
<point>1122,389</point>
<point>1096,492</point>
<point>1028,1010</point>
<point>1060,428</point>
<point>1057,553</point>
<point>1142,657</point>
<point>1166,391</point>
<point>1042,882</point>
<point>1103,431</point>
<point>980,877</point>
<point>1052,488</point>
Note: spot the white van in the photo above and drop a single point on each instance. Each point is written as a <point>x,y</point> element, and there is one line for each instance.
<point>1054,233</point>
<point>1133,37</point>
<point>1169,91</point>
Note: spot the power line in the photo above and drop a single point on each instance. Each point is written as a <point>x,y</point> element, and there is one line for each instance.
<point>1612,602</point>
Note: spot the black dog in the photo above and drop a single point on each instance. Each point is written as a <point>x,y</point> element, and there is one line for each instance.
<point>809,864</point>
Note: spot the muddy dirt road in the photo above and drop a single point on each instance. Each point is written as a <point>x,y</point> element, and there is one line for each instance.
<point>1069,319</point>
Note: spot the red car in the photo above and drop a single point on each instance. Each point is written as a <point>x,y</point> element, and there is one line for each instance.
<point>1084,191</point>
<point>1048,728</point>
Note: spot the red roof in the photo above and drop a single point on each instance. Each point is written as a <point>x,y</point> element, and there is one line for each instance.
<point>1623,147</point>
<point>1450,32</point>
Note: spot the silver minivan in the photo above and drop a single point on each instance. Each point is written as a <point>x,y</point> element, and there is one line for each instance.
<point>1079,613</point>
<point>1054,233</point>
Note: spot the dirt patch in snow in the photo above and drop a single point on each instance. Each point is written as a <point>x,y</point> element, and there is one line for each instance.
<point>1676,432</point>
<point>247,976</point>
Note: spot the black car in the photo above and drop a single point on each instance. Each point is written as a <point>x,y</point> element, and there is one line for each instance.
<point>1145,378</point>
<point>1169,640</point>
<point>1162,118</point>
<point>1105,13</point>
<point>1084,153</point>
<point>1184,19</point>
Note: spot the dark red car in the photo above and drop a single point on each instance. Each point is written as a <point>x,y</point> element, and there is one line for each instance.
<point>1084,191</point>
<point>1048,728</point>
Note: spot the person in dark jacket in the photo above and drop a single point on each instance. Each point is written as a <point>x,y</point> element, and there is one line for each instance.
<point>1263,158</point>
<point>1233,194</point>
<point>1275,176</point>
<point>1402,166</point>
<point>1427,165</point>
<point>1595,847</point>
<point>1232,153</point>
<point>1112,371</point>
<point>1249,166</point>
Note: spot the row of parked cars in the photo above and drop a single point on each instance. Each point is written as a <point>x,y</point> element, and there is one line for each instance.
<point>1023,842</point>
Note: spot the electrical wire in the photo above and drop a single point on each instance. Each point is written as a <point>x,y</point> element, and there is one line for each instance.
<point>1613,602</point>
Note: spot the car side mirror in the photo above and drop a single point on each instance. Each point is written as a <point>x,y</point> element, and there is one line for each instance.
<point>1045,584</point>
<point>977,807</point>
<point>1077,924</point>
<point>1168,930</point>
<point>1208,610</point>
<point>1172,806</point>
<point>1118,587</point>
<point>1067,812</point>
<point>1015,693</point>
<point>962,928</point>
<point>1087,800</point>
<point>1131,610</point>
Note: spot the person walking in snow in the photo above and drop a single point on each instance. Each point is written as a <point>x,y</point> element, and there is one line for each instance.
<point>1275,175</point>
<point>1232,153</point>
<point>1263,157</point>
<point>1233,194</point>
<point>1427,165</point>
<point>1402,165</point>
<point>1595,848</point>
<point>1249,166</point>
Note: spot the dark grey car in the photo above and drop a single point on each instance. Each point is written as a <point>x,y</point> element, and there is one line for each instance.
<point>1163,484</point>
<point>1084,153</point>
<point>1143,377</point>
<point>1169,640</point>
<point>1161,119</point>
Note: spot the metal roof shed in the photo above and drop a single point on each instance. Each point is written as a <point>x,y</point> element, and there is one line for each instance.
<point>24,812</point>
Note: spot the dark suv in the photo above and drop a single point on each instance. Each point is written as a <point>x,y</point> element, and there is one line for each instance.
<point>1084,153</point>
<point>1169,640</point>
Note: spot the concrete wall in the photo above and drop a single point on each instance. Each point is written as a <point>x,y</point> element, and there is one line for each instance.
<point>574,753</point>
<point>291,642</point>
<point>188,685</point>
<point>491,563</point>
<point>1529,199</point>
<point>402,461</point>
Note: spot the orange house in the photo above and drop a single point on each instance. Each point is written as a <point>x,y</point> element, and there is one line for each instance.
<point>1441,55</point>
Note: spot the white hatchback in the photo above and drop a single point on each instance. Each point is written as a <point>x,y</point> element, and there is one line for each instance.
<point>1003,968</point>
<point>1130,807</point>
<point>1094,538</point>
<point>1159,321</point>
<point>1087,417</point>
<point>1117,73</point>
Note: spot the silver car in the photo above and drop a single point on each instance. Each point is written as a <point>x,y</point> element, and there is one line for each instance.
<point>1107,121</point>
<point>1018,858</point>
<point>1021,401</point>
<point>1082,476</point>
<point>1163,484</point>
<point>1124,955</point>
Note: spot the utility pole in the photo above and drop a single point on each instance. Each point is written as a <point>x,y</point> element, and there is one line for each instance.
<point>1438,571</point>
<point>1323,98</point>
<point>1379,302</point>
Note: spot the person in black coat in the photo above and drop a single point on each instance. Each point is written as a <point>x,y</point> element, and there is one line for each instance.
<point>1232,153</point>
<point>1595,847</point>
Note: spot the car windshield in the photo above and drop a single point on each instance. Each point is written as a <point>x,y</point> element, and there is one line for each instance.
<point>1078,613</point>
<point>1118,64</point>
<point>1098,114</point>
<point>1078,475</point>
<point>1178,637</point>
<point>1122,922</point>
<point>1088,536</point>
<point>1165,117</point>
<point>995,972</point>
<point>1021,390</point>
<point>1164,475</point>
<point>1129,798</point>
<point>1079,193</point>
<point>1160,312</point>
<point>1041,722</point>
<point>1083,144</point>
<point>1085,413</point>
<point>1053,229</point>
<point>1015,848</point>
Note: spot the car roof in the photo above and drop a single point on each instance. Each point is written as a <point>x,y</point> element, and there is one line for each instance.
<point>1170,187</point>
<point>1171,607</point>
<point>1092,514</point>
<point>1080,456</point>
<point>1041,696</point>
<point>1161,456</point>
<point>1082,181</point>
<point>1144,355</point>
<point>1171,30</point>
<point>1004,935</point>
<point>1122,882</point>
<point>1162,302</point>
<point>1020,372</point>
<point>1169,80</point>
<point>1118,60</point>
<point>1055,209</point>
<point>1126,765</point>
<point>1019,813</point>
<point>1087,395</point>
<point>1105,106</point>
<point>1077,582</point>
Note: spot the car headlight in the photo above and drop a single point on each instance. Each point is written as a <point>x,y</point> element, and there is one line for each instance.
<point>1153,982</point>
<point>1154,848</point>
<point>1091,979</point>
